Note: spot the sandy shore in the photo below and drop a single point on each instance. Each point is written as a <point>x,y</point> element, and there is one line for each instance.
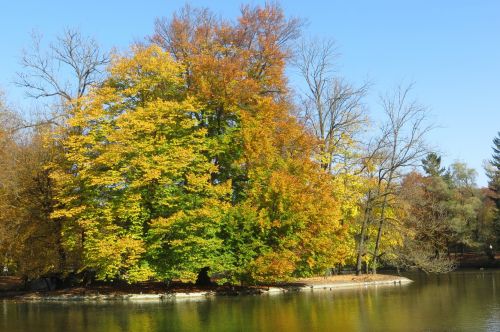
<point>345,281</point>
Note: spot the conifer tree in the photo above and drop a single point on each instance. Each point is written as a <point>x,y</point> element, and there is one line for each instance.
<point>432,165</point>
<point>493,172</point>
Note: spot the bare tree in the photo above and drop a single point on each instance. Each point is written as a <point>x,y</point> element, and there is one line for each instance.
<point>64,71</point>
<point>402,145</point>
<point>332,108</point>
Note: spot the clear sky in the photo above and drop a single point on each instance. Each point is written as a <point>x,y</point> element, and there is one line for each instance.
<point>450,49</point>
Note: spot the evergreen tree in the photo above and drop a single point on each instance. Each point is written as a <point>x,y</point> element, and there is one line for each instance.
<point>432,165</point>
<point>496,152</point>
<point>493,172</point>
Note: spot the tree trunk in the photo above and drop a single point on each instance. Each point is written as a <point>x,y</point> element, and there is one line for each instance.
<point>380,225</point>
<point>377,244</point>
<point>361,245</point>
<point>364,226</point>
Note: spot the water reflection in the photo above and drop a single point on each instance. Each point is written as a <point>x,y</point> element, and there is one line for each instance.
<point>458,301</point>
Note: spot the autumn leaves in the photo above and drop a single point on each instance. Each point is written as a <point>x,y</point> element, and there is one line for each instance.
<point>188,156</point>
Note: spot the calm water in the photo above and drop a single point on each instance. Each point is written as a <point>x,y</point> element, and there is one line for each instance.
<point>461,301</point>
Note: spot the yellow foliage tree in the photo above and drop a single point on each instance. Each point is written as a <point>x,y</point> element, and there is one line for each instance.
<point>137,172</point>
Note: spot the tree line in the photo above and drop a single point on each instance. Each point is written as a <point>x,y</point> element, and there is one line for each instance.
<point>193,150</point>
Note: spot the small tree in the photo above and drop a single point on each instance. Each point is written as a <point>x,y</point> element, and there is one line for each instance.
<point>432,165</point>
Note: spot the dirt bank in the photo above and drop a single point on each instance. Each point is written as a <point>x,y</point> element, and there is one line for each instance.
<point>177,290</point>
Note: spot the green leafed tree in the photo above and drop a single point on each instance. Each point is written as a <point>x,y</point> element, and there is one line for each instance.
<point>136,195</point>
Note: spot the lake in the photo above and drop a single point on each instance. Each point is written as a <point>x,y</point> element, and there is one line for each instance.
<point>459,301</point>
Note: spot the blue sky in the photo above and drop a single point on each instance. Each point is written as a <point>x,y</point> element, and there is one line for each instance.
<point>450,49</point>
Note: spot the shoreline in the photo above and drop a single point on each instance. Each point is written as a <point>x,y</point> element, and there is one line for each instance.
<point>301,285</point>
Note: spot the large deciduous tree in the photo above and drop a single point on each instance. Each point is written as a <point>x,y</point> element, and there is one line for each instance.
<point>139,177</point>
<point>237,71</point>
<point>188,157</point>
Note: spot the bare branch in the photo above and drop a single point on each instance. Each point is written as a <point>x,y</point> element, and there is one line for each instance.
<point>65,70</point>
<point>332,108</point>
